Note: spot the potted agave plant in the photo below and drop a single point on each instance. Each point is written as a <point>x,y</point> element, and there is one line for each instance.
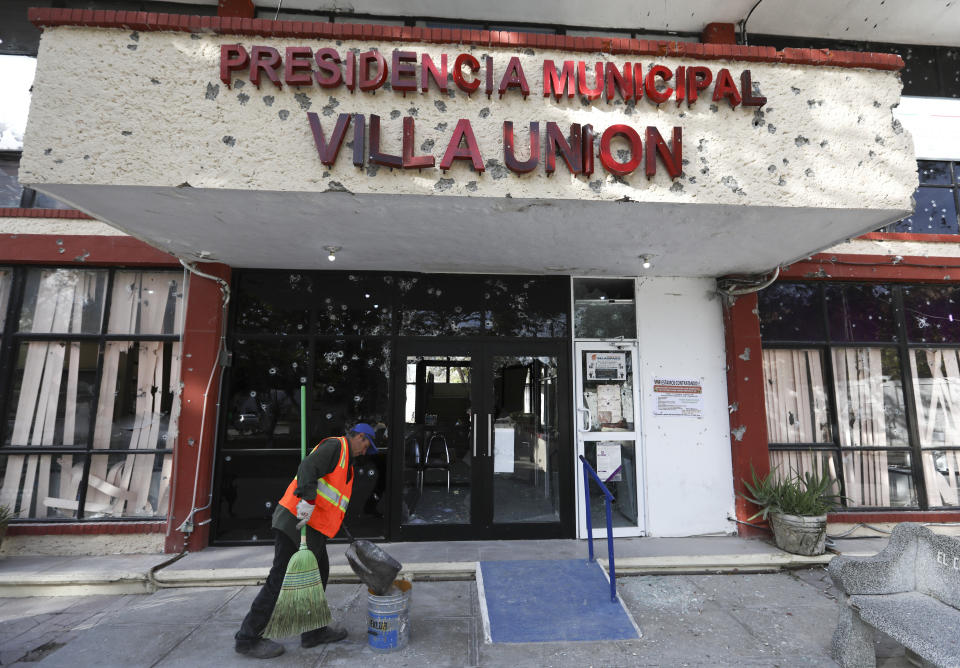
<point>796,507</point>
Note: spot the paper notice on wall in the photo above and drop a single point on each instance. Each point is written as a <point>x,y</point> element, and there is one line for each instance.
<point>609,463</point>
<point>606,366</point>
<point>674,396</point>
<point>609,405</point>
<point>503,454</point>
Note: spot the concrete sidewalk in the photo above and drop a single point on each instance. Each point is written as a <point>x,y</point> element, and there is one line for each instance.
<point>233,566</point>
<point>770,619</point>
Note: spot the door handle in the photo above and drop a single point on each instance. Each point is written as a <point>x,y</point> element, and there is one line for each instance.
<point>473,428</point>
<point>589,424</point>
<point>489,434</point>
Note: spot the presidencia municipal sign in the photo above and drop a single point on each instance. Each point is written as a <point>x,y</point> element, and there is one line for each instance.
<point>327,68</point>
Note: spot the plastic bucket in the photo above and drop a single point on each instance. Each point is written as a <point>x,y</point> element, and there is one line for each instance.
<point>388,618</point>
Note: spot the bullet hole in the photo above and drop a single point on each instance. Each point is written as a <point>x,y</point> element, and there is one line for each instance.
<point>705,171</point>
<point>528,52</point>
<point>824,143</point>
<point>786,162</point>
<point>154,81</point>
<point>808,172</point>
<point>239,83</point>
<point>796,91</point>
<point>283,114</point>
<point>58,161</point>
<point>268,100</point>
<point>677,187</point>
<point>758,118</point>
<point>585,101</point>
<point>684,162</point>
<point>194,36</point>
<point>595,186</point>
<point>386,85</point>
<point>336,187</point>
<point>484,112</point>
<point>623,154</point>
<point>772,168</point>
<point>497,171</point>
<point>876,103</point>
<point>683,114</point>
<point>702,145</point>
<point>132,47</point>
<point>412,111</point>
<point>86,157</point>
<point>771,128</point>
<point>126,133</point>
<point>332,103</point>
<point>897,127</point>
<point>801,140</point>
<point>440,126</point>
<point>395,114</point>
<point>372,169</point>
<point>47,151</point>
<point>349,144</point>
<point>427,145</point>
<point>303,100</point>
<point>814,103</point>
<point>872,154</point>
<point>714,108</point>
<point>325,175</point>
<point>229,141</point>
<point>859,120</point>
<point>782,182</point>
<point>243,98</point>
<point>472,186</point>
<point>135,36</point>
<point>731,183</point>
<point>443,184</point>
<point>440,105</point>
<point>878,139</point>
<point>693,179</point>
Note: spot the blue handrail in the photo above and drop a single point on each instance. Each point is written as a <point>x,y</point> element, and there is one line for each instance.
<point>588,473</point>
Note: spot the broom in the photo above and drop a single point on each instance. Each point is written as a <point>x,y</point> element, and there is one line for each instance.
<point>302,604</point>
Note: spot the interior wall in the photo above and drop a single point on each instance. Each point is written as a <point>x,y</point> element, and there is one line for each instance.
<point>689,477</point>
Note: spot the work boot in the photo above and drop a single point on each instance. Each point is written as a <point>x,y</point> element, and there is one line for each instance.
<point>322,636</point>
<point>261,648</point>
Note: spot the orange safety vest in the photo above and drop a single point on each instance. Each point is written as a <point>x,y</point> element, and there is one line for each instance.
<point>333,495</point>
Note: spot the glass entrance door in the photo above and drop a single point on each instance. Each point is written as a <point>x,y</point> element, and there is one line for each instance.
<point>607,407</point>
<point>486,450</point>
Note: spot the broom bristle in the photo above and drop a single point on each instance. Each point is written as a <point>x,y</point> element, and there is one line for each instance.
<point>302,605</point>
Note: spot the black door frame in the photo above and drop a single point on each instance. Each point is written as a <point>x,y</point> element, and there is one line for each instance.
<point>481,526</point>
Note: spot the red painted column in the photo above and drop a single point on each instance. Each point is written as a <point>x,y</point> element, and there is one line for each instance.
<point>193,455</point>
<point>748,421</point>
<point>719,33</point>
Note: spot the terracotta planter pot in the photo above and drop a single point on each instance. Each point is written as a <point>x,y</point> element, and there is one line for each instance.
<point>799,535</point>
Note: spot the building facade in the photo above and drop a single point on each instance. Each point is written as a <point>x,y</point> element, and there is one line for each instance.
<point>504,248</point>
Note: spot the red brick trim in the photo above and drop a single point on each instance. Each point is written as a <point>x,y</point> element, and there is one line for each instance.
<point>7,212</point>
<point>909,236</point>
<point>888,268</point>
<point>868,517</point>
<point>80,250</point>
<point>84,528</point>
<point>44,17</point>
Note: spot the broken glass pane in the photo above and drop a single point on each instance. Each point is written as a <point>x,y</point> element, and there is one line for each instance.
<point>932,313</point>
<point>860,312</point>
<point>791,312</point>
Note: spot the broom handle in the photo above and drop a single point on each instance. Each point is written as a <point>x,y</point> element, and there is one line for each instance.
<point>303,447</point>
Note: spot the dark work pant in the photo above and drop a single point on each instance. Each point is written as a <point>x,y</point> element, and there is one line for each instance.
<point>261,609</point>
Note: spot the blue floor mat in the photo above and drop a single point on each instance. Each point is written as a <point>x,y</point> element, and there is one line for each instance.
<point>544,601</point>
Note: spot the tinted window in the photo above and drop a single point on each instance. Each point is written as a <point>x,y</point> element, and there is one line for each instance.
<point>791,312</point>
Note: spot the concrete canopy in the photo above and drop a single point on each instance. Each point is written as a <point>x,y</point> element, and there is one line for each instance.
<point>152,142</point>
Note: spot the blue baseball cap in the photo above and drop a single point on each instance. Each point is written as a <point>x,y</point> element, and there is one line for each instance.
<point>369,432</point>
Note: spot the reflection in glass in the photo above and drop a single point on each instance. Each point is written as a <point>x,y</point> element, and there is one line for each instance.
<point>40,486</point>
<point>52,398</point>
<point>437,442</point>
<point>936,387</point>
<point>63,301</point>
<point>441,305</point>
<point>869,393</point>
<point>525,439</point>
<point>796,400</point>
<point>264,394</point>
<point>941,472</point>
<point>273,302</point>
<point>791,312</point>
<point>878,478</point>
<point>526,306</point>
<point>604,308</point>
<point>934,172</point>
<point>350,385</point>
<point>860,312</point>
<point>935,213</point>
<point>622,483</point>
<point>932,313</point>
<point>354,304</point>
<point>249,487</point>
<point>607,391</point>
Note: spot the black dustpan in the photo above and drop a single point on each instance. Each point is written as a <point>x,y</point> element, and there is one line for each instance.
<point>372,564</point>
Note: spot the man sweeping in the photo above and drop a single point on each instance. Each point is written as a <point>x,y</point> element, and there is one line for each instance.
<point>319,495</point>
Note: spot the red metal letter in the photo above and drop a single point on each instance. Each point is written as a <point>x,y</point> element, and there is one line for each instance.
<point>359,126</point>
<point>513,78</point>
<point>411,161</point>
<point>509,155</point>
<point>726,88</point>
<point>297,70</point>
<point>466,86</point>
<point>555,85</point>
<point>350,78</point>
<point>572,152</point>
<point>672,158</point>
<point>650,83</point>
<point>471,152</point>
<point>636,149</point>
<point>268,65</point>
<point>404,75</point>
<point>597,90</point>
<point>698,78</point>
<point>232,57</point>
<point>681,84</point>
<point>746,91</point>
<point>327,61</point>
<point>588,150</point>
<point>328,151</point>
<point>488,88</point>
<point>368,82</point>
<point>385,159</point>
<point>429,71</point>
<point>617,81</point>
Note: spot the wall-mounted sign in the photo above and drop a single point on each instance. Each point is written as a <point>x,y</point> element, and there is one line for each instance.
<point>409,72</point>
<point>606,366</point>
<point>673,396</point>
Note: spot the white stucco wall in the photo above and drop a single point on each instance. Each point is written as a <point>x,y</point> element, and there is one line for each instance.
<point>59,226</point>
<point>689,478</point>
<point>114,107</point>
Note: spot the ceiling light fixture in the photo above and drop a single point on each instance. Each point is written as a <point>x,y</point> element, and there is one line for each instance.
<point>645,259</point>
<point>332,250</point>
